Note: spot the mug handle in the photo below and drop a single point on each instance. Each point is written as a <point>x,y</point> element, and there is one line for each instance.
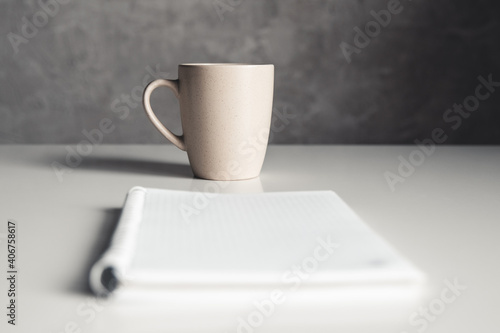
<point>177,140</point>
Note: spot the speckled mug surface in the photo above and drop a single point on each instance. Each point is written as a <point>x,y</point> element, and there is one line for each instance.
<point>226,117</point>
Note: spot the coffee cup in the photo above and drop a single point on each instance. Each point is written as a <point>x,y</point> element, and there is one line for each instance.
<point>226,114</point>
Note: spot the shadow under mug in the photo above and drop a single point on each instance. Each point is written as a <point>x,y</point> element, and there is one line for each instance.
<point>226,114</point>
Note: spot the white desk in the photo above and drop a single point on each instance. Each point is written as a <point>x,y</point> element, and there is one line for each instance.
<point>445,218</point>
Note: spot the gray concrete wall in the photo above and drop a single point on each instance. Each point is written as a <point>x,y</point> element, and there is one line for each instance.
<point>86,57</point>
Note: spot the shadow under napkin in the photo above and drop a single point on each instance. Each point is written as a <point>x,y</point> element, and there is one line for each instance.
<point>97,247</point>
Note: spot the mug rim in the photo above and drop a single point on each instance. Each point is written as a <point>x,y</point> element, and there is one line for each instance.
<point>229,64</point>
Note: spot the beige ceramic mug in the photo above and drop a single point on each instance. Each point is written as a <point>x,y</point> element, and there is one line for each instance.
<point>225,114</point>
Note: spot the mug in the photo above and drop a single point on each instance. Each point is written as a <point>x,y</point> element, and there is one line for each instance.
<point>226,114</point>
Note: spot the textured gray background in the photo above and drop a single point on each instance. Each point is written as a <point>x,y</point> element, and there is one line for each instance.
<point>67,77</point>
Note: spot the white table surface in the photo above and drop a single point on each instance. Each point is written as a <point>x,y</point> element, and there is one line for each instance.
<point>445,218</point>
